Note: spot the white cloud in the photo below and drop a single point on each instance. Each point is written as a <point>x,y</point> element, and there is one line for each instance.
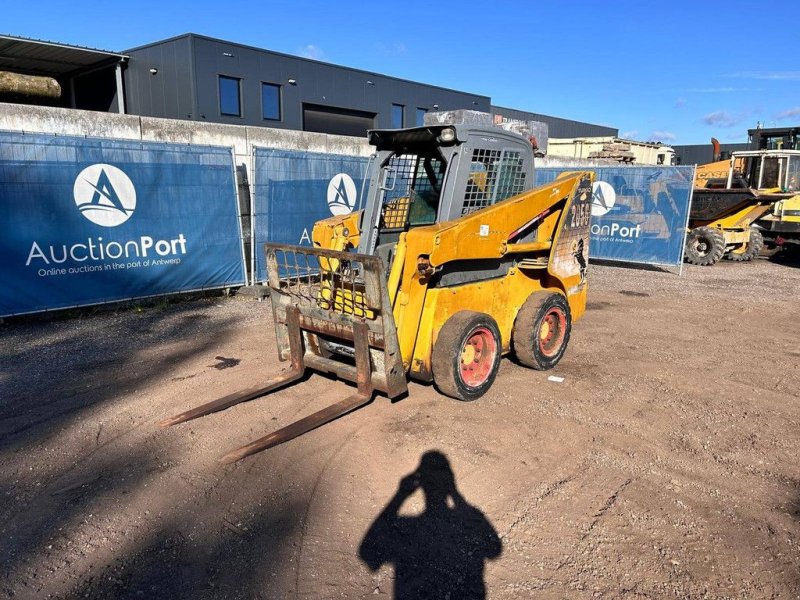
<point>715,90</point>
<point>393,49</point>
<point>311,51</point>
<point>792,113</point>
<point>630,135</point>
<point>722,118</point>
<point>662,136</point>
<point>773,75</point>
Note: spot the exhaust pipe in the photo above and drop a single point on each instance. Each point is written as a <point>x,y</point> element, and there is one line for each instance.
<point>715,146</point>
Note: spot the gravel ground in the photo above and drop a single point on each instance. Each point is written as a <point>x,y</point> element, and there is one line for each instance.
<point>665,464</point>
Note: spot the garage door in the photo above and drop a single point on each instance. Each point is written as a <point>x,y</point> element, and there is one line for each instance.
<point>338,121</point>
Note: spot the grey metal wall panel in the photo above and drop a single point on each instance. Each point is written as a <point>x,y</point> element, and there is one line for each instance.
<point>559,128</point>
<point>700,154</point>
<point>316,83</point>
<point>169,92</point>
<point>186,87</point>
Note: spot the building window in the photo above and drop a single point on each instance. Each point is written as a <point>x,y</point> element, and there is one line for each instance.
<point>229,96</point>
<point>270,102</point>
<point>397,116</point>
<point>421,116</point>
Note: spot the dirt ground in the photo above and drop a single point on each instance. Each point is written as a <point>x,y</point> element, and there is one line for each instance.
<point>664,465</point>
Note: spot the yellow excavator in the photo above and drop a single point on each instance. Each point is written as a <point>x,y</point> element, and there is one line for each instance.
<point>451,263</point>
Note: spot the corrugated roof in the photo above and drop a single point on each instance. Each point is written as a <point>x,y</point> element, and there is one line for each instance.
<point>40,57</point>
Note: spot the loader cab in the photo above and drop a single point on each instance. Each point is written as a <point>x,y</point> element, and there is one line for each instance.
<point>437,173</point>
<point>766,169</point>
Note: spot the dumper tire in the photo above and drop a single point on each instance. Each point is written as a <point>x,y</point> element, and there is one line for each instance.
<point>541,330</point>
<point>752,249</point>
<point>466,355</point>
<point>704,246</point>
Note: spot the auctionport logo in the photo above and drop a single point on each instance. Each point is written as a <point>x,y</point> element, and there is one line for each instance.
<point>603,198</point>
<point>105,195</point>
<point>341,194</point>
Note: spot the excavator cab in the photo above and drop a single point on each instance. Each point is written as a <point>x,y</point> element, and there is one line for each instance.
<point>453,262</point>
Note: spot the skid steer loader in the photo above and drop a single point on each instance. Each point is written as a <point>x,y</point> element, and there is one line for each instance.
<point>450,264</point>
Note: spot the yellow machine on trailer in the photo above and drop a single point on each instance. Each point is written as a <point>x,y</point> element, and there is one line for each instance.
<point>450,265</point>
<point>781,227</point>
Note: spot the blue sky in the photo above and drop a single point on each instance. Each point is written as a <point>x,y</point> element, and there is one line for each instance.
<point>675,71</point>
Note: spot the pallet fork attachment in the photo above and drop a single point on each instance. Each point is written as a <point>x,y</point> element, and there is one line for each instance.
<point>323,300</point>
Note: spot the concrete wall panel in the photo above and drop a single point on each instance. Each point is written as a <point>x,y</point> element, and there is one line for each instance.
<point>67,121</point>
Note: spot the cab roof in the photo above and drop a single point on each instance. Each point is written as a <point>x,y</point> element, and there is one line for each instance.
<point>415,139</point>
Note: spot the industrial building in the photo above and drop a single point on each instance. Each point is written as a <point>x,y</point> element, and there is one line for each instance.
<point>199,78</point>
<point>558,128</point>
<point>612,148</point>
<point>700,154</point>
<point>759,138</point>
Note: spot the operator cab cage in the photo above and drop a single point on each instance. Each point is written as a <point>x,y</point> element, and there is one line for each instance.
<point>774,138</point>
<point>765,169</point>
<point>437,173</point>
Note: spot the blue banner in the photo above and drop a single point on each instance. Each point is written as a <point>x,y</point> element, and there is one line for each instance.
<point>87,221</point>
<point>638,213</point>
<point>295,189</point>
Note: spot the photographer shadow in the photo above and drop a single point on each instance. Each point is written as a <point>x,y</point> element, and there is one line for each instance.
<point>439,553</point>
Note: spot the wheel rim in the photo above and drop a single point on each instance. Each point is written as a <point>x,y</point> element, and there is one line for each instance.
<point>477,357</point>
<point>702,247</point>
<point>551,331</point>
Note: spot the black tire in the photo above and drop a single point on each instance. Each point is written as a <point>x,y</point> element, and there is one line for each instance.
<point>704,246</point>
<point>466,355</point>
<point>752,249</point>
<point>542,309</point>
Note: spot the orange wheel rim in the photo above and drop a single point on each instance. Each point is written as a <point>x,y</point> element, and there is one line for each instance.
<point>477,357</point>
<point>552,331</point>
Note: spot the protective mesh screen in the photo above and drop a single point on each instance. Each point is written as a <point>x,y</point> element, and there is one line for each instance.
<point>413,184</point>
<point>494,175</point>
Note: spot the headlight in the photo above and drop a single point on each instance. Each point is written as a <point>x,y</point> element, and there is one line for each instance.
<point>447,135</point>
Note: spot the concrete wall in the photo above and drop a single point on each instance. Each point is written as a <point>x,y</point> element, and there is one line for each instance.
<point>63,121</point>
<point>577,163</point>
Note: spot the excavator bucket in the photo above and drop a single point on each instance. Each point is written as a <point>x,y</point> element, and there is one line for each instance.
<point>332,314</point>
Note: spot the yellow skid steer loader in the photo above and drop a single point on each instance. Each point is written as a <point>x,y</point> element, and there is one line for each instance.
<point>452,262</point>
